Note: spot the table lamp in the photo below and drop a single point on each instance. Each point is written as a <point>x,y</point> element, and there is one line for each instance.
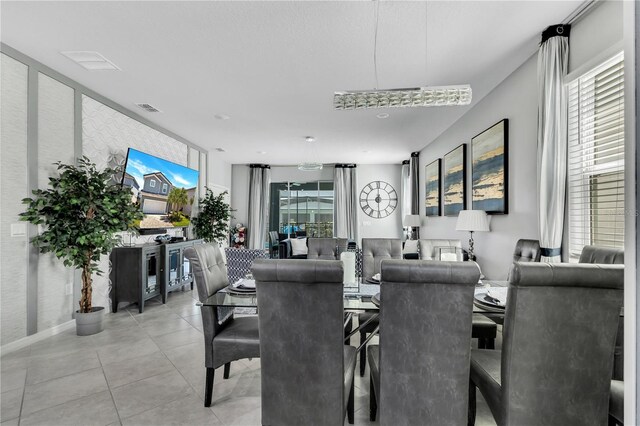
<point>412,221</point>
<point>472,221</point>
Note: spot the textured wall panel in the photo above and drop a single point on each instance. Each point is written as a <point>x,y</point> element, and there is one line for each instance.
<point>106,136</point>
<point>55,143</point>
<point>13,187</point>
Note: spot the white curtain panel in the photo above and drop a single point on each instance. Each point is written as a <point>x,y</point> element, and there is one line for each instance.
<point>259,193</point>
<point>345,204</point>
<point>409,189</point>
<point>405,189</point>
<point>553,59</point>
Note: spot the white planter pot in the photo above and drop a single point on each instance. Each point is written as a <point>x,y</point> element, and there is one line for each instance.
<point>91,322</point>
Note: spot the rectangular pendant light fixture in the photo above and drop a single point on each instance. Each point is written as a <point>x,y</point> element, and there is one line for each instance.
<point>403,98</point>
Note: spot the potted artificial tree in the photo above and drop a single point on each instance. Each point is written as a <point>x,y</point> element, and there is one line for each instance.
<point>212,222</point>
<point>81,213</point>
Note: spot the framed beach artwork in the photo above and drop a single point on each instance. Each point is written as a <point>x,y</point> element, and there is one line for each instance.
<point>489,167</point>
<point>432,188</point>
<point>455,189</point>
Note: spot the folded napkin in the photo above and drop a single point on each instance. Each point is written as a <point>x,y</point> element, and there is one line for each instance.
<point>246,284</point>
<point>498,293</point>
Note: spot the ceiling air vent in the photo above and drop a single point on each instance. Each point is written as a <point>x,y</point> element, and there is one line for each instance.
<point>148,108</point>
<point>221,150</point>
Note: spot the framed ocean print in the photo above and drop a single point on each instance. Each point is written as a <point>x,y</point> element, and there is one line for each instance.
<point>455,187</point>
<point>432,203</point>
<point>489,169</point>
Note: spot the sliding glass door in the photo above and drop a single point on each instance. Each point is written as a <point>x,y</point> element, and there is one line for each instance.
<point>302,208</point>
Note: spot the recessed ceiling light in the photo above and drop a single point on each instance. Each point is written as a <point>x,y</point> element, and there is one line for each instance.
<point>383,115</point>
<point>222,117</point>
<point>261,152</point>
<point>309,138</point>
<point>92,61</point>
<point>366,152</point>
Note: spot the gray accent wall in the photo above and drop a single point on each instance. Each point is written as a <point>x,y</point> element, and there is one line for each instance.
<point>47,117</point>
<point>13,187</point>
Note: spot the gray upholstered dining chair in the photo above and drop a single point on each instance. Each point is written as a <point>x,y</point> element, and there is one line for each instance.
<point>326,248</point>
<point>374,251</point>
<point>420,371</point>
<point>306,369</point>
<point>227,339</point>
<point>554,369</point>
<point>613,256</point>
<point>484,329</point>
<point>527,251</point>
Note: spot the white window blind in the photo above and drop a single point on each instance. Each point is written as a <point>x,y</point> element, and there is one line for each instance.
<point>596,157</point>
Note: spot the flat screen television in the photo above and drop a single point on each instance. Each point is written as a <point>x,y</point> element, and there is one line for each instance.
<point>165,191</point>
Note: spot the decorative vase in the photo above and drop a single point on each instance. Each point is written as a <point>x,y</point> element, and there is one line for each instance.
<point>91,322</point>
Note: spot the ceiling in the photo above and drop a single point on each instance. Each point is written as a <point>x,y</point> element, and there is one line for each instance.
<point>272,67</point>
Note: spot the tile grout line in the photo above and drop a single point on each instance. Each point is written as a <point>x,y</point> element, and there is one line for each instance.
<point>109,389</point>
<point>191,385</point>
<point>24,388</point>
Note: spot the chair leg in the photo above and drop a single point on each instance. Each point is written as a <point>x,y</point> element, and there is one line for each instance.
<point>373,403</point>
<point>471,416</point>
<point>363,353</point>
<point>351,403</point>
<point>227,368</point>
<point>208,389</point>
<point>491,343</point>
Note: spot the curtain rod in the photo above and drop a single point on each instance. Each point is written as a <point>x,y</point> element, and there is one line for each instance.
<point>581,11</point>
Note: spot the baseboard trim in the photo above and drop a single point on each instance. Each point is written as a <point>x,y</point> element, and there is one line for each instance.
<point>30,340</point>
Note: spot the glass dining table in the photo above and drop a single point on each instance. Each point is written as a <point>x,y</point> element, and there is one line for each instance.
<point>361,297</point>
<point>357,298</point>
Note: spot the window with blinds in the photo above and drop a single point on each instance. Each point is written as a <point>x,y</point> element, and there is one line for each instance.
<point>596,157</point>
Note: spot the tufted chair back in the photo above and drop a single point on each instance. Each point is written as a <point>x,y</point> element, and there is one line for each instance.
<point>374,250</point>
<point>603,255</point>
<point>527,251</point>
<point>326,248</point>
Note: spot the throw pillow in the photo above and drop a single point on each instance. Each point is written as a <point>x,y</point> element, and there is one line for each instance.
<point>298,246</point>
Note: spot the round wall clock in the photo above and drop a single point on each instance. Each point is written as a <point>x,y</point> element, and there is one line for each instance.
<point>378,199</point>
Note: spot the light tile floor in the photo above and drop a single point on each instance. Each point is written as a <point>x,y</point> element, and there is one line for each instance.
<point>143,369</point>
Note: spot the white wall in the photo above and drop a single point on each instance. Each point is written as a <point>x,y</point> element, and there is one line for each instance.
<point>516,99</point>
<point>595,33</point>
<point>390,226</point>
<point>219,171</point>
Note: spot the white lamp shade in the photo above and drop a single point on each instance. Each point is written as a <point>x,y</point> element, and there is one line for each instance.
<point>411,220</point>
<point>473,220</point>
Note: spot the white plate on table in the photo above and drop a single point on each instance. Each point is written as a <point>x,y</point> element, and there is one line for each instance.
<point>493,299</point>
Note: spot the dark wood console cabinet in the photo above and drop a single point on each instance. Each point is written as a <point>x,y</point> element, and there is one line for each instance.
<point>141,272</point>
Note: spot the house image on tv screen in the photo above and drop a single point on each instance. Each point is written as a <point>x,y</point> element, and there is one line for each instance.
<point>154,194</point>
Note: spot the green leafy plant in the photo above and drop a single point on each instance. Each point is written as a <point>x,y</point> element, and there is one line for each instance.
<point>212,222</point>
<point>81,213</point>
